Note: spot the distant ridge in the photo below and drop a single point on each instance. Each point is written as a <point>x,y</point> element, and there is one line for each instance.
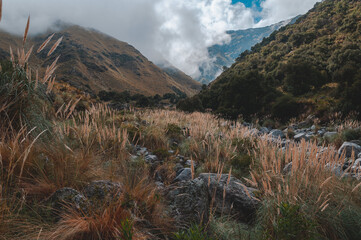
<point>93,61</point>
<point>241,40</point>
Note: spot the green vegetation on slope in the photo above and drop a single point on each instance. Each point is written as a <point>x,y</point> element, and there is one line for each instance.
<point>316,62</point>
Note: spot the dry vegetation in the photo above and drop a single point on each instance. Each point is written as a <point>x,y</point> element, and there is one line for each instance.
<point>71,146</point>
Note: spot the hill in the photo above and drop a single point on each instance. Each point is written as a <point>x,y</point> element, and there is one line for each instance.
<point>241,40</point>
<point>93,61</point>
<point>312,66</point>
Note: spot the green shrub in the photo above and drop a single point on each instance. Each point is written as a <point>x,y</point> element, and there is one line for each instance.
<point>293,224</point>
<point>22,101</point>
<point>244,145</point>
<point>191,104</point>
<point>240,164</point>
<point>174,131</point>
<point>351,134</point>
<point>195,232</point>
<point>161,153</point>
<point>226,228</point>
<point>126,230</point>
<point>285,107</point>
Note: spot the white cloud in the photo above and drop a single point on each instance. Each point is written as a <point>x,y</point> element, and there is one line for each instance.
<point>277,10</point>
<point>176,30</point>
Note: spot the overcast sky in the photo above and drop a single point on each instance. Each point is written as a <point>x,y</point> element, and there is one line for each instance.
<point>176,30</point>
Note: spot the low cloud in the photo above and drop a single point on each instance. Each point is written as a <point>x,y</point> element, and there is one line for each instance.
<point>177,31</point>
<point>277,10</point>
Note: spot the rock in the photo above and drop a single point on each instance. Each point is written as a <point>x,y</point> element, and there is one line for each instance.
<point>246,124</point>
<point>188,202</point>
<point>263,131</point>
<point>347,165</point>
<point>160,186</point>
<point>329,135</point>
<point>337,170</point>
<point>303,124</point>
<point>359,155</point>
<point>184,175</point>
<point>313,128</point>
<point>178,168</point>
<point>301,136</point>
<point>285,143</point>
<point>276,134</point>
<point>142,151</point>
<point>103,191</point>
<point>357,162</point>
<point>65,199</point>
<point>189,163</point>
<point>171,151</point>
<point>239,200</point>
<point>349,147</point>
<point>358,142</point>
<point>321,132</point>
<point>151,158</point>
<point>180,158</point>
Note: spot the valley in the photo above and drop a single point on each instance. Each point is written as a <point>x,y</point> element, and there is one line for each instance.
<point>99,143</point>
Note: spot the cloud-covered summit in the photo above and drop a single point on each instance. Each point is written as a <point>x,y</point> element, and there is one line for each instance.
<point>178,31</point>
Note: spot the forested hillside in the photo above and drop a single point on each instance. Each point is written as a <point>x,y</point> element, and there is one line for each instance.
<point>312,66</point>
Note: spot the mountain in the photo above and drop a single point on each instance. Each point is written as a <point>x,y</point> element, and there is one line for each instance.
<point>93,61</point>
<point>312,66</point>
<point>241,40</point>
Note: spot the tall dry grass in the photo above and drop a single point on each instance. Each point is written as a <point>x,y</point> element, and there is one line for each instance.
<point>309,183</point>
<point>207,140</point>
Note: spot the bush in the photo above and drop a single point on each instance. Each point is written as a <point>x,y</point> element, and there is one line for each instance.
<point>161,153</point>
<point>285,107</point>
<point>351,134</point>
<point>22,101</point>
<point>292,224</point>
<point>195,232</point>
<point>191,105</point>
<point>240,164</point>
<point>174,131</point>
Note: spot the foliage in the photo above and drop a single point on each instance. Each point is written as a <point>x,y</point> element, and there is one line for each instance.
<point>293,224</point>
<point>140,100</point>
<point>285,107</point>
<point>195,232</point>
<point>22,100</point>
<point>191,105</point>
<point>174,131</point>
<point>321,49</point>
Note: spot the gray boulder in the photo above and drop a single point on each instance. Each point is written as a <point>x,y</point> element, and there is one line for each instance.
<point>263,131</point>
<point>301,136</point>
<point>142,151</point>
<point>184,175</point>
<point>239,201</point>
<point>357,162</point>
<point>151,158</point>
<point>276,134</point>
<point>101,192</point>
<point>348,148</point>
<point>188,202</point>
<point>64,200</point>
<point>189,163</point>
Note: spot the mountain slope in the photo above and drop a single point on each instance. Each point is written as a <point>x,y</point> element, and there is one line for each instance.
<point>312,66</point>
<point>241,40</point>
<point>93,61</point>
